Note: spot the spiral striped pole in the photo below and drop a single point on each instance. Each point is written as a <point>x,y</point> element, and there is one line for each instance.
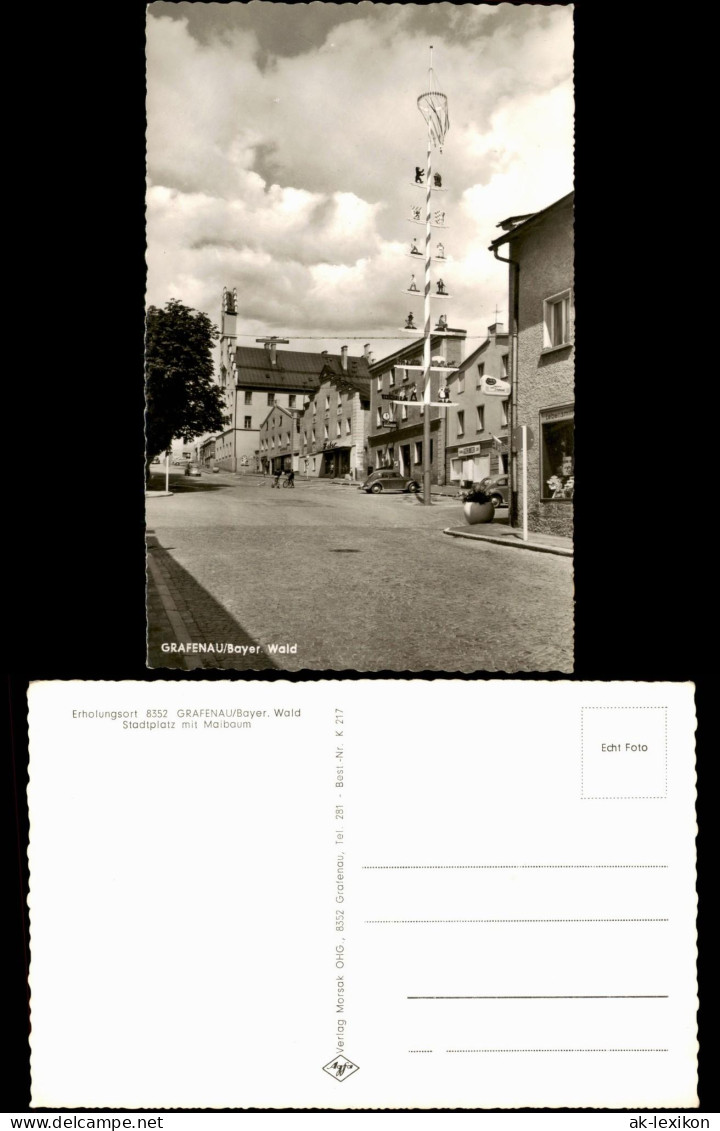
<point>427,498</point>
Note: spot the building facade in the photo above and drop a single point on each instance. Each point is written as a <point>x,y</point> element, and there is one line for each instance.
<point>477,422</point>
<point>257,379</point>
<point>277,441</point>
<point>540,250</point>
<point>395,431</point>
<point>332,432</point>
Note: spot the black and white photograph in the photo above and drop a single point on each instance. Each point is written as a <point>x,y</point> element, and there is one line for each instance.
<point>360,337</point>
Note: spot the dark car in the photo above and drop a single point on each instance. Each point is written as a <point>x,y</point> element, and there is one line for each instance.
<point>496,486</point>
<point>386,479</point>
<point>194,470</point>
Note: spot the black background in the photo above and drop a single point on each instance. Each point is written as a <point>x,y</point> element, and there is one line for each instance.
<point>74,475</point>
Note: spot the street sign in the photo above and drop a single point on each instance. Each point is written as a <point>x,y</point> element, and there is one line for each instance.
<point>517,438</point>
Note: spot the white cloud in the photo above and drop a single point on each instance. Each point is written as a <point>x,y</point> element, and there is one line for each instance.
<point>292,182</point>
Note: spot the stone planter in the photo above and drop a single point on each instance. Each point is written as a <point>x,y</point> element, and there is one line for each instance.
<point>478,512</point>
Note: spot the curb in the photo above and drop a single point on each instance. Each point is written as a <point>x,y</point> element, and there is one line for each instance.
<point>537,546</point>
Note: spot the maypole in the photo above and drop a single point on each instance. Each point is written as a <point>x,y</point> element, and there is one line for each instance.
<point>433,107</point>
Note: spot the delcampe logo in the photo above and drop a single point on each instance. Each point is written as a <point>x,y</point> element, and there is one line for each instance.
<point>340,1068</point>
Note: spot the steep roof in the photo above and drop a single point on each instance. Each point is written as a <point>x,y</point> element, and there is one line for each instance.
<point>294,369</point>
<point>355,377</point>
<point>515,225</point>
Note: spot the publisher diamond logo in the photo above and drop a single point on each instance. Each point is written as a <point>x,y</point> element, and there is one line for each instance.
<point>340,1068</point>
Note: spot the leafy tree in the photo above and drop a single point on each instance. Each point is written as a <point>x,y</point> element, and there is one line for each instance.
<point>181,399</point>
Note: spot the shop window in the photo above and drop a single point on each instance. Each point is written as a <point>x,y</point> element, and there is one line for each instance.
<point>248,421</point>
<point>456,469</point>
<point>461,423</point>
<point>505,406</point>
<point>556,320</point>
<point>557,457</point>
<point>248,397</point>
<point>480,418</point>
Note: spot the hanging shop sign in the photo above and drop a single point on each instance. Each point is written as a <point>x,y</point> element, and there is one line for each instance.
<point>494,387</point>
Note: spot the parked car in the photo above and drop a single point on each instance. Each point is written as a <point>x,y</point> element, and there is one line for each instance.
<point>386,479</point>
<point>496,486</point>
<point>194,470</point>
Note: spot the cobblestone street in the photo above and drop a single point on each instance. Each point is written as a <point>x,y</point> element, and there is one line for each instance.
<point>356,582</point>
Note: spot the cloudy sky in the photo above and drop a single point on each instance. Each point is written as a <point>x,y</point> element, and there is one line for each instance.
<point>282,141</point>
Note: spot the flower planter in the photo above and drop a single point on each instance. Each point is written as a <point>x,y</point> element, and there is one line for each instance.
<point>478,512</point>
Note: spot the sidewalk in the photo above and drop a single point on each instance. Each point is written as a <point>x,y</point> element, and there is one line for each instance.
<point>501,534</point>
<point>184,616</point>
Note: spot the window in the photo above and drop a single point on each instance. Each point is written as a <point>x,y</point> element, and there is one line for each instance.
<point>339,428</point>
<point>348,427</point>
<point>379,417</point>
<point>327,404</point>
<point>557,455</point>
<point>505,361</point>
<point>392,378</point>
<point>505,406</point>
<point>304,439</point>
<point>326,434</point>
<point>456,467</point>
<point>403,412</point>
<point>291,400</point>
<point>556,319</point>
<point>248,397</point>
<point>461,423</point>
<point>481,373</point>
<point>314,466</point>
<point>271,398</point>
<point>314,437</point>
<point>248,421</point>
<point>461,383</point>
<point>418,452</point>
<point>379,383</point>
<point>289,439</point>
<point>339,404</point>
<point>314,408</point>
<point>480,418</point>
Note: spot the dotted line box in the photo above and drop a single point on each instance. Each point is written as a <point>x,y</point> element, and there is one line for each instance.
<point>623,753</point>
